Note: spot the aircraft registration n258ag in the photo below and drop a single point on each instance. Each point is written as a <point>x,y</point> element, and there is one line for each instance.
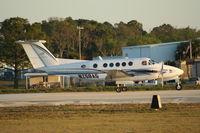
<point>120,70</point>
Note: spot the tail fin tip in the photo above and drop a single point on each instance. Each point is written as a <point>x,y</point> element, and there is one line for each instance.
<point>30,41</point>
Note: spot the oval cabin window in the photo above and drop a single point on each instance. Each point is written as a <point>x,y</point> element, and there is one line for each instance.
<point>95,66</point>
<point>105,65</point>
<point>117,64</point>
<point>83,66</point>
<point>130,63</point>
<point>124,64</point>
<point>111,64</point>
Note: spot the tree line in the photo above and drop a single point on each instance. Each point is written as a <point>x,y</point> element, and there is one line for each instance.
<point>97,38</point>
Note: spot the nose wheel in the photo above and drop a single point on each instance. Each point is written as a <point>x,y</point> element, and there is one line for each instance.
<point>179,87</point>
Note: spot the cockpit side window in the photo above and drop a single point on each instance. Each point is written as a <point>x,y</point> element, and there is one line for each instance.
<point>144,62</point>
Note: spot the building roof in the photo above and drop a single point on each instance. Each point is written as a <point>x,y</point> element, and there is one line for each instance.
<point>35,74</point>
<point>153,45</point>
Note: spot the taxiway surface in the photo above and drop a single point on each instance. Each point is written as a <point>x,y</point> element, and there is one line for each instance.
<point>87,98</point>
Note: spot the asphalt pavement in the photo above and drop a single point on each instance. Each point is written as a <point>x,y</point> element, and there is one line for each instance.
<point>89,98</point>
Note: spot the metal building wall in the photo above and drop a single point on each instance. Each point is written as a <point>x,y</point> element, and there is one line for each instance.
<point>196,68</point>
<point>164,52</point>
<point>157,52</point>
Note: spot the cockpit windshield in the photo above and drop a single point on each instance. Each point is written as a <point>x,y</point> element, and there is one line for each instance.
<point>151,62</point>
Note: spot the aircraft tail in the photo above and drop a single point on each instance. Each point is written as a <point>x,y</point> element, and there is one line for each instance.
<point>38,54</point>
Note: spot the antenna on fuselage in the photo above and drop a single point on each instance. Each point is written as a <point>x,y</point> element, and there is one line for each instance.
<point>100,58</point>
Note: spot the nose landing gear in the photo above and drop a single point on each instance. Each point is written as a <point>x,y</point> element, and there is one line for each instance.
<point>179,87</point>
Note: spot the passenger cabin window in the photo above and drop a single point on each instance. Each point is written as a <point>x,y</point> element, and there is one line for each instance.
<point>123,64</point>
<point>111,64</point>
<point>95,66</point>
<point>144,62</point>
<point>117,64</point>
<point>83,66</point>
<point>105,65</point>
<point>130,63</point>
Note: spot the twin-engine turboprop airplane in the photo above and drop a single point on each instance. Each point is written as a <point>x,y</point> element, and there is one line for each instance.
<point>121,70</point>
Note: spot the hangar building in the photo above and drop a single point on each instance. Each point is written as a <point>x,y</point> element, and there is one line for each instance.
<point>163,52</point>
<point>158,52</point>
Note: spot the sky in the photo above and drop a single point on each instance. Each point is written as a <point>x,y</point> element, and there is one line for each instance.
<point>151,13</point>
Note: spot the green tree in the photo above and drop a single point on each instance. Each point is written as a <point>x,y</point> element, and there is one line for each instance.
<point>34,32</point>
<point>129,31</point>
<point>112,48</point>
<point>105,34</point>
<point>142,40</point>
<point>165,33</point>
<point>62,35</point>
<point>183,50</point>
<point>14,29</point>
<point>196,48</point>
<point>186,33</point>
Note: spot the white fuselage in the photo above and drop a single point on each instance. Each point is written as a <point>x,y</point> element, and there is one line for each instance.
<point>141,69</point>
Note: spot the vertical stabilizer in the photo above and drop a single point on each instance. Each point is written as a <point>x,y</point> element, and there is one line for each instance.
<point>38,54</point>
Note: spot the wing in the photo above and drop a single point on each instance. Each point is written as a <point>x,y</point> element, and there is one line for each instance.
<point>114,75</point>
<point>144,71</point>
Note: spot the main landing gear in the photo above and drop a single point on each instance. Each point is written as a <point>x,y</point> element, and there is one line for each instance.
<point>121,88</point>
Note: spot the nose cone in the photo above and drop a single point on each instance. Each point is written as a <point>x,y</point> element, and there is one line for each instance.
<point>180,71</point>
<point>176,71</point>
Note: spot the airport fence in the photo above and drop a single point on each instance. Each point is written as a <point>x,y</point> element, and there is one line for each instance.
<point>6,87</point>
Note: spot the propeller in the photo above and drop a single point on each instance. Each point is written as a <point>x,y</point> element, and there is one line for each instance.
<point>161,73</point>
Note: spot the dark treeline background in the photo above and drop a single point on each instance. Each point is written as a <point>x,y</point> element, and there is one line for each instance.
<point>97,39</point>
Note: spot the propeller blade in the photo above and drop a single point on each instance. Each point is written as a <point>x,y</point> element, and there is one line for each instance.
<point>161,73</point>
<point>162,80</point>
